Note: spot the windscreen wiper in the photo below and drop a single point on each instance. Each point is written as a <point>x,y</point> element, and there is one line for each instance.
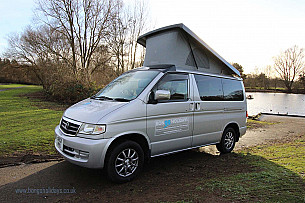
<point>101,98</point>
<point>121,99</point>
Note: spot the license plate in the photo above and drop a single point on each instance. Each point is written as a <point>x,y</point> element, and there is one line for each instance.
<point>60,143</point>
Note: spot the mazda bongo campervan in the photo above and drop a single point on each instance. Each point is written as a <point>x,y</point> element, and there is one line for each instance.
<point>185,96</point>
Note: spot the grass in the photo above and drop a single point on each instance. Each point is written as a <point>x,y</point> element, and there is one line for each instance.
<point>25,127</point>
<point>257,124</point>
<point>289,155</point>
<point>278,176</point>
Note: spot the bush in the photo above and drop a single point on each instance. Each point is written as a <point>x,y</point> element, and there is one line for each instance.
<point>71,91</point>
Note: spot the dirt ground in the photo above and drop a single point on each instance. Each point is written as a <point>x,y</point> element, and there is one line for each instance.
<point>164,178</point>
<point>283,128</point>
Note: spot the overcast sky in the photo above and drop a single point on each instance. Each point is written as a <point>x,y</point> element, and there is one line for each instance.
<point>249,32</point>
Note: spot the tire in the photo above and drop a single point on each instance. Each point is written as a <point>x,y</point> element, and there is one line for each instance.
<point>125,162</point>
<point>227,142</point>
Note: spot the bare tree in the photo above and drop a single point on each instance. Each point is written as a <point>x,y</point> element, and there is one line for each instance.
<point>139,12</point>
<point>302,79</point>
<point>268,71</point>
<point>271,78</point>
<point>75,38</point>
<point>131,21</point>
<point>68,43</point>
<point>83,24</point>
<point>289,65</point>
<point>117,38</point>
<point>27,49</point>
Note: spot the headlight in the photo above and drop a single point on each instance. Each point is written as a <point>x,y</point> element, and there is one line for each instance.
<point>92,129</point>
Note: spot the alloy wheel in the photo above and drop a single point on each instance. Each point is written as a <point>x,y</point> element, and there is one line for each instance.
<point>126,162</point>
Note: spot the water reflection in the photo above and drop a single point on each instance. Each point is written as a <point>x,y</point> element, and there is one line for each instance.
<point>276,103</point>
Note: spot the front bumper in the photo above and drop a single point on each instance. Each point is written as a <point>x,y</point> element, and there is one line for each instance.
<point>81,151</point>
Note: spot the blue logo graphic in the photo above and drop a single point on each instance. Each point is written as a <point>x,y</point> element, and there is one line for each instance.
<point>167,123</point>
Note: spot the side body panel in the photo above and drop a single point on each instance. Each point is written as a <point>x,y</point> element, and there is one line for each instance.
<point>235,112</point>
<point>170,125</point>
<point>208,120</point>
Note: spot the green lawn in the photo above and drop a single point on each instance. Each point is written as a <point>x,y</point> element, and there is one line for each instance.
<point>24,126</point>
<point>278,175</point>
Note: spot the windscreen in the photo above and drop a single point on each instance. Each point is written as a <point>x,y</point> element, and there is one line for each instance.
<point>127,86</point>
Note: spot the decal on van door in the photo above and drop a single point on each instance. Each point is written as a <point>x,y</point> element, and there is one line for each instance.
<point>171,126</point>
<point>167,123</point>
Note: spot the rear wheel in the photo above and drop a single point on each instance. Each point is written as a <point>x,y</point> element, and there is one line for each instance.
<point>125,161</point>
<point>227,142</point>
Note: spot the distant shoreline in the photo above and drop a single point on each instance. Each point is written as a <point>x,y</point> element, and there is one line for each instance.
<point>299,91</point>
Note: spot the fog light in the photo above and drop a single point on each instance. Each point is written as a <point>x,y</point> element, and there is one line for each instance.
<point>83,154</point>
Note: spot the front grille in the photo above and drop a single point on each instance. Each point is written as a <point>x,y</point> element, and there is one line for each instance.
<point>68,127</point>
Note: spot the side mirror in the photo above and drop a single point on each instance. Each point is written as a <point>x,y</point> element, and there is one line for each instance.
<point>162,95</point>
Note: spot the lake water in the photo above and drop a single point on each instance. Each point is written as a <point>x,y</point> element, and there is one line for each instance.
<point>282,103</point>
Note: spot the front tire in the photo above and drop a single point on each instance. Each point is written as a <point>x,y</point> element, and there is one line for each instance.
<point>125,162</point>
<point>227,142</point>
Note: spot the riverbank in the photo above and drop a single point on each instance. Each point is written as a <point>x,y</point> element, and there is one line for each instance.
<point>297,91</point>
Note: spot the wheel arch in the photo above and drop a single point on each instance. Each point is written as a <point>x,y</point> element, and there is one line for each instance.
<point>142,140</point>
<point>235,126</point>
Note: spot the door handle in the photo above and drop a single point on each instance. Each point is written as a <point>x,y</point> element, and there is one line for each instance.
<point>197,106</point>
<point>191,106</point>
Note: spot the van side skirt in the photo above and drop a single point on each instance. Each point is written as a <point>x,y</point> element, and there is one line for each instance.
<point>180,150</point>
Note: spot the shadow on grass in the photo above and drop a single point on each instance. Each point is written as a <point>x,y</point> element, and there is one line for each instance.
<point>269,182</point>
<point>186,176</point>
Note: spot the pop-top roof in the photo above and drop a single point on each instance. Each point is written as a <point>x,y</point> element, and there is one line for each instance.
<point>178,45</point>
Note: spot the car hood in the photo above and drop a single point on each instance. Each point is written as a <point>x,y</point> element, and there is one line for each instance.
<point>91,110</point>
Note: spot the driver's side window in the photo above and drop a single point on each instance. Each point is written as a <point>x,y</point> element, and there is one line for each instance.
<point>176,84</point>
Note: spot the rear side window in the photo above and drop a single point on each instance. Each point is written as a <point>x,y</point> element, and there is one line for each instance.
<point>233,90</point>
<point>210,88</point>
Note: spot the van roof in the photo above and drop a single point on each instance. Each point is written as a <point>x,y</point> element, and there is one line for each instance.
<point>178,45</point>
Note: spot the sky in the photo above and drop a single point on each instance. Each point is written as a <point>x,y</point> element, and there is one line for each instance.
<point>248,32</point>
<point>15,16</point>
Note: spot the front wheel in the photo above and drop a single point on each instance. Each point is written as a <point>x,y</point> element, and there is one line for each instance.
<point>227,142</point>
<point>125,161</point>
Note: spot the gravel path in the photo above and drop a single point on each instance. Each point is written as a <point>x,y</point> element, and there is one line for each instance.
<point>11,88</point>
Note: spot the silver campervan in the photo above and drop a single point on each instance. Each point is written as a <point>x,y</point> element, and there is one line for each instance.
<point>185,96</point>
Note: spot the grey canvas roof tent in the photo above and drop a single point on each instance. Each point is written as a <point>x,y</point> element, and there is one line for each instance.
<point>177,45</point>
